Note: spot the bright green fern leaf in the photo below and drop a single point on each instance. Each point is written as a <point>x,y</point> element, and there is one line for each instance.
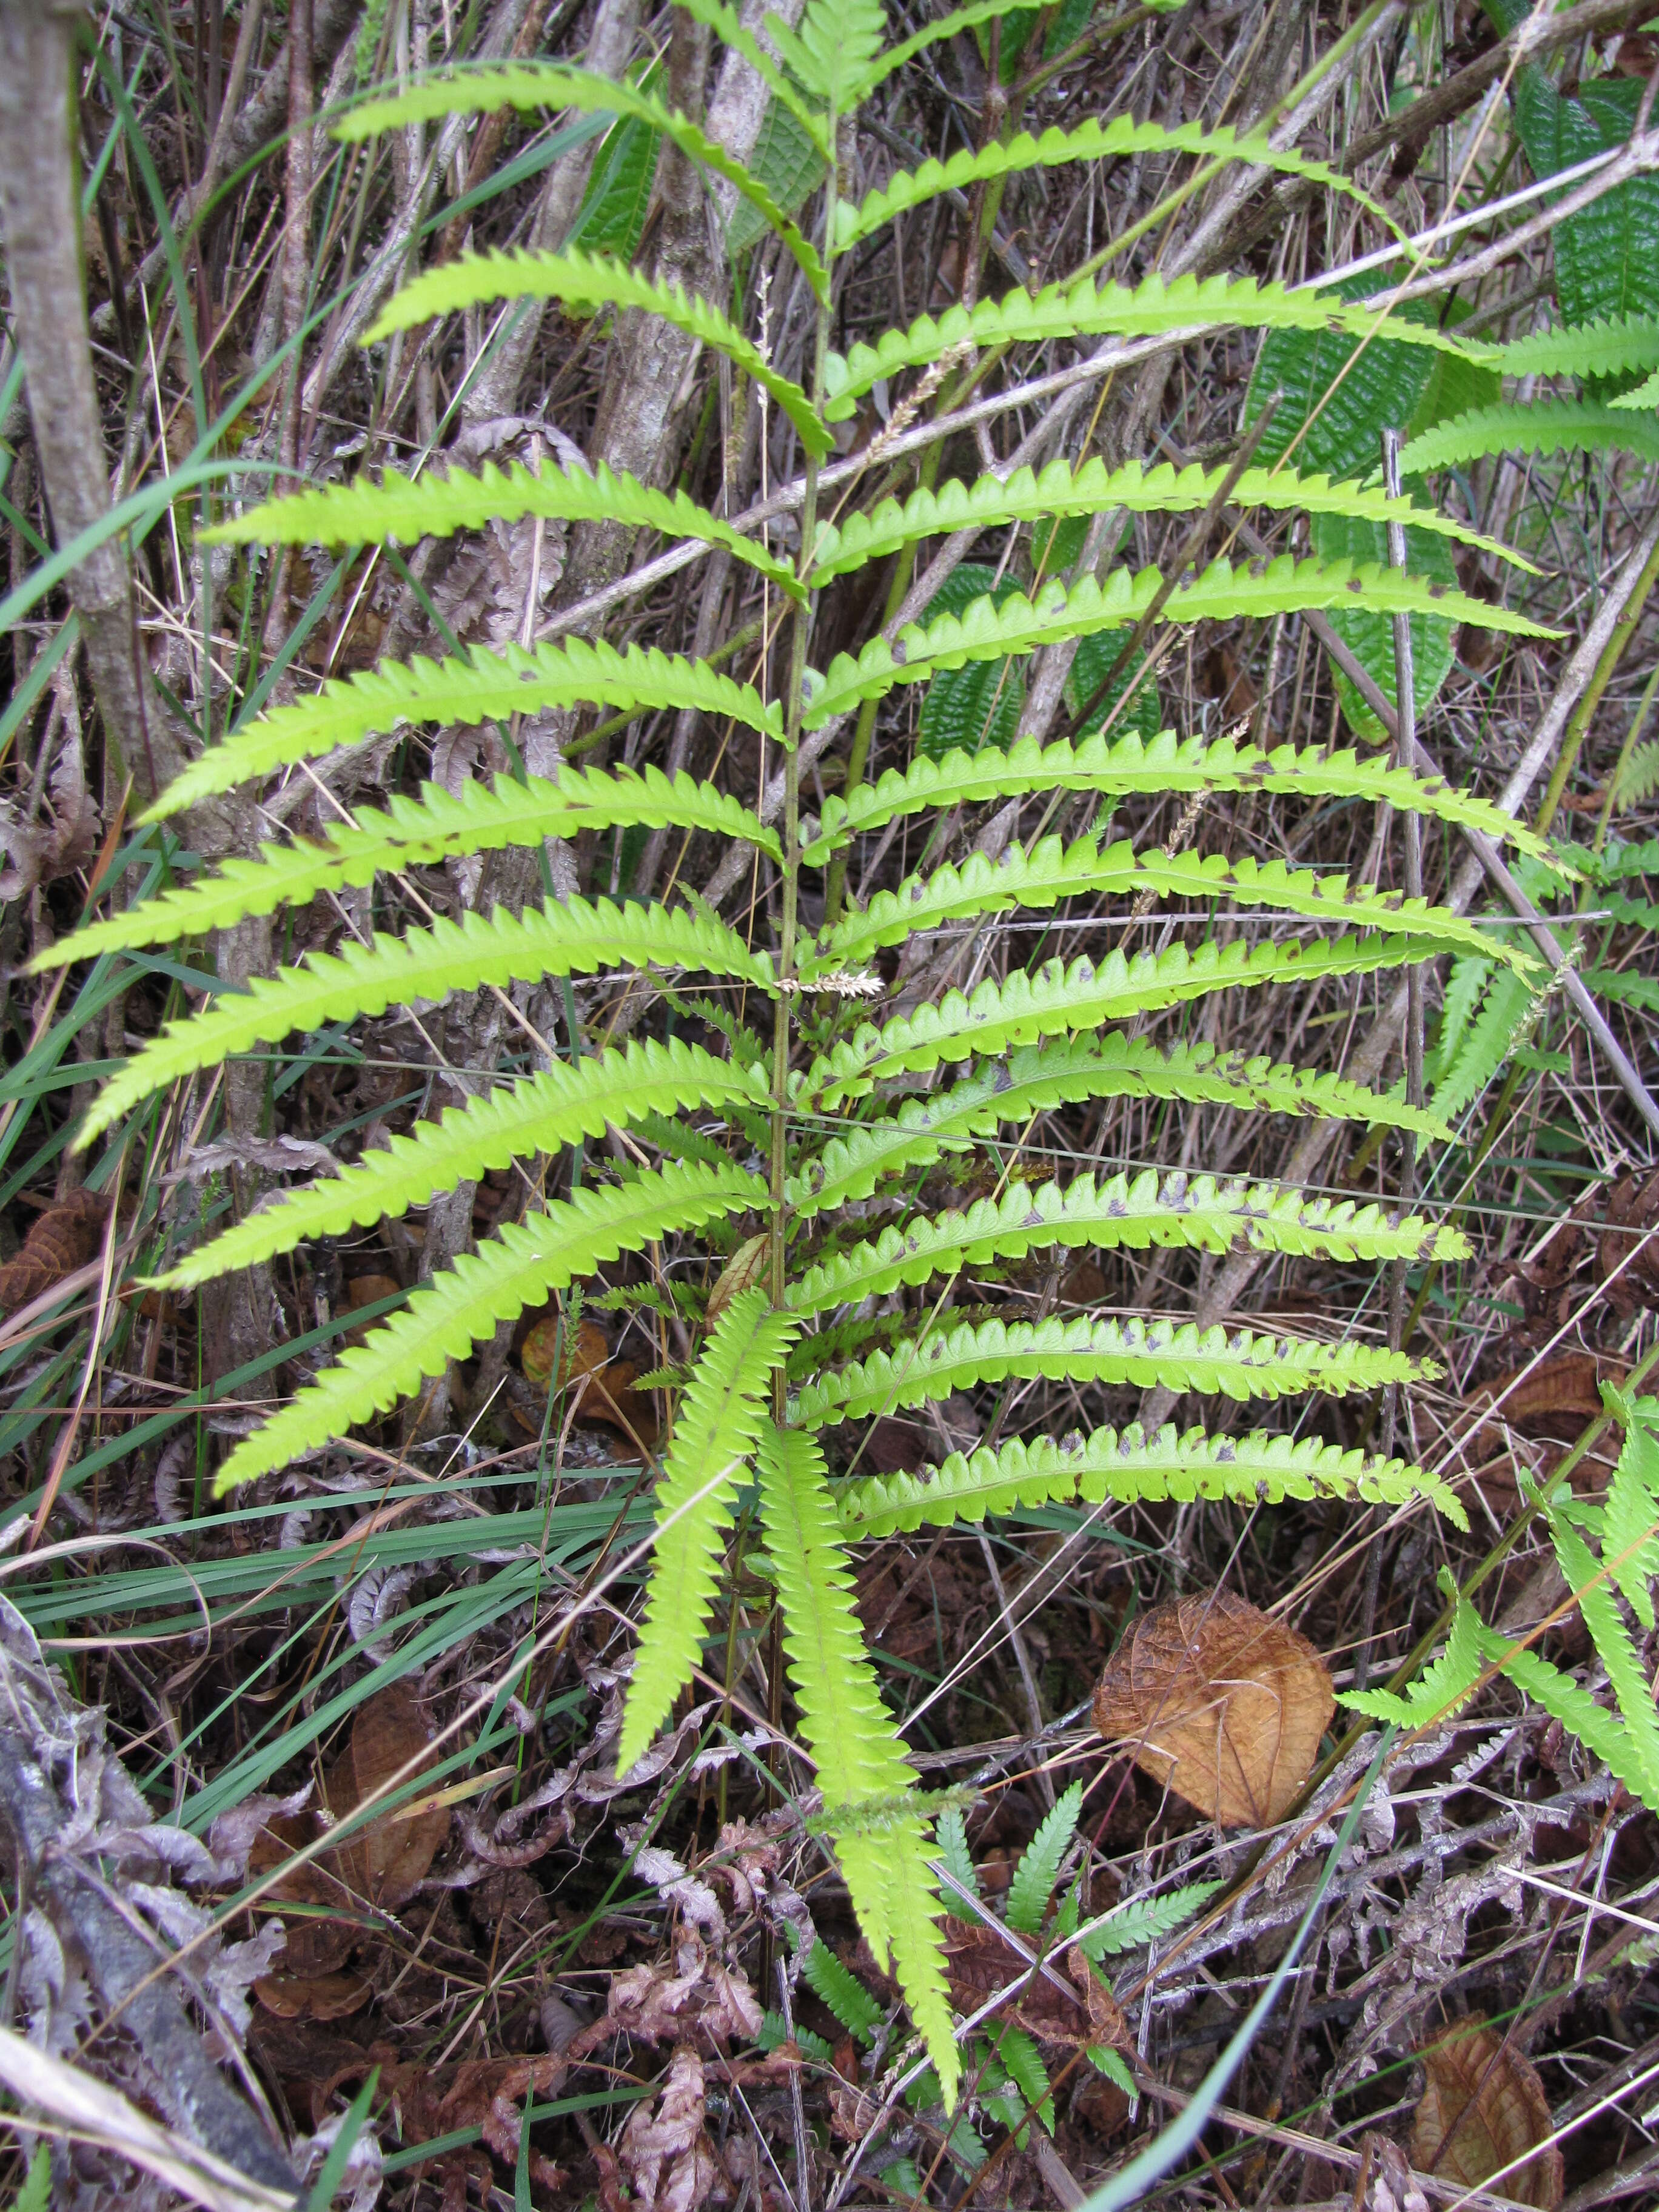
<point>1254,1468</point>
<point>593,281</point>
<point>715,1429</point>
<point>1039,1864</point>
<point>735,34</point>
<point>834,50</point>
<point>1612,346</point>
<point>1646,394</point>
<point>840,1989</point>
<point>574,937</point>
<point>520,1266</point>
<point>1630,1541</point>
<point>472,687</point>
<point>1144,1919</point>
<point>1441,1689</point>
<point>609,1088</point>
<point>1541,427</point>
<point>403,511</point>
<point>1627,1672</point>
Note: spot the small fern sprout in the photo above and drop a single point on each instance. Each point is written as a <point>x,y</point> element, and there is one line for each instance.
<point>831,1105</point>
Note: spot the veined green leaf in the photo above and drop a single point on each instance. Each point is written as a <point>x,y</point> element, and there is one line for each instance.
<point>1062,999</point>
<point>609,1088</point>
<point>1038,1077</point>
<point>593,281</point>
<point>410,832</point>
<point>570,937</point>
<point>1123,1212</point>
<point>1061,489</point>
<point>533,84</point>
<point>1254,1468</point>
<point>1053,871</point>
<point>476,686</point>
<point>1221,592</point>
<point>849,1732</point>
<point>1178,1355</point>
<point>1117,764</point>
<point>1611,346</point>
<point>518,1267</point>
<point>1152,308</point>
<point>1547,426</point>
<point>404,509</point>
<point>715,1429</point>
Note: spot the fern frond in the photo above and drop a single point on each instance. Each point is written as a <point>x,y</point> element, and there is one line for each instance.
<point>943,26</point>
<point>403,509</point>
<point>1090,142</point>
<point>521,1265</point>
<point>1039,1864</point>
<point>715,1431</point>
<point>1603,1735</point>
<point>415,832</point>
<point>536,84</point>
<point>1646,394</point>
<point>1441,1689</point>
<point>1617,863</point>
<point>1168,763</point>
<point>1547,426</point>
<point>1177,1355</point>
<point>848,1731</point>
<point>1638,777</point>
<point>593,281</point>
<point>1632,1686</point>
<point>1053,871</point>
<point>1482,1043</point>
<point>841,1989</point>
<point>993,502</point>
<point>1144,1919</point>
<point>988,630</point>
<point>476,686</point>
<point>1254,1468</point>
<point>728,25</point>
<point>609,1088</point>
<point>573,937</point>
<point>1063,1000</point>
<point>1630,1542</point>
<point>1154,307</point>
<point>1623,989</point>
<point>1128,1213</point>
<point>1610,347</point>
<point>833,51</point>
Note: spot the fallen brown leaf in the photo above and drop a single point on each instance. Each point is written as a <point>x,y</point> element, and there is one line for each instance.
<point>320,1996</point>
<point>741,1273</point>
<point>387,1861</point>
<point>66,1237</point>
<point>1225,1704</point>
<point>601,1388</point>
<point>1483,2105</point>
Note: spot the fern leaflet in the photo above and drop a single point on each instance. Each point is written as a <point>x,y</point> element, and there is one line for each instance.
<point>1646,394</point>
<point>1254,1468</point>
<point>715,1429</point>
<point>593,281</point>
<point>609,1088</point>
<point>570,938</point>
<point>519,1266</point>
<point>472,687</point>
<point>1630,1541</point>
<point>841,1989</point>
<point>1441,1689</point>
<point>1632,1686</point>
<point>735,34</point>
<point>1603,1735</point>
<point>1039,1864</point>
<point>1608,347</point>
<point>1548,426</point>
<point>1143,1920</point>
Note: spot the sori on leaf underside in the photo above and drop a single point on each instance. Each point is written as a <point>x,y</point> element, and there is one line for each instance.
<point>846,1115</point>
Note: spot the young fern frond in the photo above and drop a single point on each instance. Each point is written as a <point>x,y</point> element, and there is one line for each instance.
<point>475,686</point>
<point>1088,141</point>
<point>1144,1919</point>
<point>1062,999</point>
<point>1645,395</point>
<point>1638,777</point>
<point>1603,1734</point>
<point>1481,1042</point>
<point>1036,1078</point>
<point>573,937</point>
<point>593,281</point>
<point>536,84</point>
<point>1541,427</point>
<point>1440,1690</point>
<point>989,630</point>
<point>438,825</point>
<point>735,34</point>
<point>609,1088</point>
<point>1177,1354</point>
<point>991,502</point>
<point>521,1265</point>
<point>1039,1864</point>
<point>1119,765</point>
<point>1598,1603</point>
<point>834,50</point>
<point>402,510</point>
<point>1251,1469</point>
<point>1629,1540</point>
<point>1053,871</point>
<point>715,1431</point>
<point>1132,1214</point>
<point>1152,308</point>
<point>1608,347</point>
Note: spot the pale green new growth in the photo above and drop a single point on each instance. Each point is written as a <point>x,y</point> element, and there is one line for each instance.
<point>593,281</point>
<point>470,687</point>
<point>609,1088</point>
<point>1254,1468</point>
<point>715,1429</point>
<point>1440,1690</point>
<point>1130,1213</point>
<point>519,1266</point>
<point>573,938</point>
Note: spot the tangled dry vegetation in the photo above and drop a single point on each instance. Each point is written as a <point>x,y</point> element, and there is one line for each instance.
<point>1213,1937</point>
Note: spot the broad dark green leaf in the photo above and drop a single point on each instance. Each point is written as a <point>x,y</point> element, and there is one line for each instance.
<point>978,704</point>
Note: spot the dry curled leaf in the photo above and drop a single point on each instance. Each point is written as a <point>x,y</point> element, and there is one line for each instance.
<point>1482,2107</point>
<point>66,1237</point>
<point>1225,1704</point>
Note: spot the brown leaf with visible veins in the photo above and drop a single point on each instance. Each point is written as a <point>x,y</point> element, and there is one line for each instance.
<point>1225,1704</point>
<point>66,1237</point>
<point>388,1860</point>
<point>1483,2105</point>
